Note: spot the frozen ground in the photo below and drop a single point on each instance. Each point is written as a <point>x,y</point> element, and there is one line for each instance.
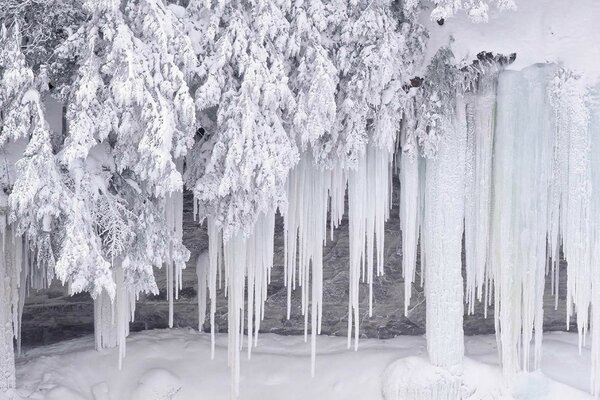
<point>176,365</point>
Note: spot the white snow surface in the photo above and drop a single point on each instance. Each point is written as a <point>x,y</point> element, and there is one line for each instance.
<point>564,32</point>
<point>176,365</point>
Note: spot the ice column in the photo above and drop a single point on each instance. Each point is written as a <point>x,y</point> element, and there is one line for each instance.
<point>594,127</point>
<point>13,278</point>
<point>442,243</point>
<point>7,283</point>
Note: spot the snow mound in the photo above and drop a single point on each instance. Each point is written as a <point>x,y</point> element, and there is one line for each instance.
<point>157,384</point>
<point>531,386</point>
<point>100,391</point>
<point>414,378</point>
<point>63,393</point>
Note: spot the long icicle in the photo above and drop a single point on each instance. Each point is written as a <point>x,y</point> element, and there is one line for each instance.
<point>481,108</point>
<point>369,192</point>
<point>174,220</point>
<point>410,210</point>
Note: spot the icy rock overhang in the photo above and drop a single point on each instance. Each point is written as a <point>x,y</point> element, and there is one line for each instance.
<point>555,31</point>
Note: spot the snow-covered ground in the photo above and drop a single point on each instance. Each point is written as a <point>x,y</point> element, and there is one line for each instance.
<point>176,365</point>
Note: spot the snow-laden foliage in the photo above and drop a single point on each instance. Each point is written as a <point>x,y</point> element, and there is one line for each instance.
<point>434,102</point>
<point>38,193</point>
<point>281,78</point>
<point>314,79</point>
<point>374,62</point>
<point>19,100</point>
<point>130,115</point>
<point>477,10</point>
<point>244,86</point>
<point>43,24</point>
<point>135,93</point>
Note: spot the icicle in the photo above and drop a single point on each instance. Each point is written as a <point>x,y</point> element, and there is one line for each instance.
<point>124,312</point>
<point>480,139</point>
<point>202,271</point>
<point>174,220</point>
<point>369,191</point>
<point>522,175</point>
<point>409,211</point>
<point>104,332</point>
<point>235,270</point>
<point>215,258</point>
<point>112,316</point>
<point>22,293</point>
<point>357,208</point>
<point>337,196</point>
<point>259,259</point>
<point>442,243</point>
<point>170,265</point>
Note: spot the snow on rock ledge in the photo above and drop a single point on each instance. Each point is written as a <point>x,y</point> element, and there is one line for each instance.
<point>559,31</point>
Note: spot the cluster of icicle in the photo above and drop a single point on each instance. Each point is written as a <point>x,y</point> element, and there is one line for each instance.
<point>244,263</point>
<point>20,273</point>
<point>113,316</point>
<point>516,174</point>
<point>531,190</point>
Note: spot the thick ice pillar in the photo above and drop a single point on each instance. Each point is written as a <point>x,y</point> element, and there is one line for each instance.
<point>7,356</point>
<point>522,177</point>
<point>12,284</point>
<point>595,237</point>
<point>442,244</point>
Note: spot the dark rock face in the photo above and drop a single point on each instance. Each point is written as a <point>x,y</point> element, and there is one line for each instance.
<point>52,316</point>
